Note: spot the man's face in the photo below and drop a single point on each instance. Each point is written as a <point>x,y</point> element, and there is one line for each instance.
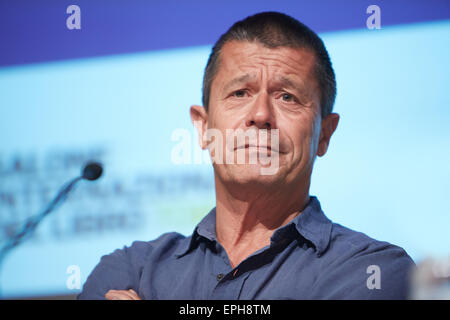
<point>262,88</point>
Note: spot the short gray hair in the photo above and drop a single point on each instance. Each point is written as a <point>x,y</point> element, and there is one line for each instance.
<point>274,29</point>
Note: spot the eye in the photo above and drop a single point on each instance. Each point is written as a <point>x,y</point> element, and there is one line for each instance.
<point>287,97</point>
<point>239,93</point>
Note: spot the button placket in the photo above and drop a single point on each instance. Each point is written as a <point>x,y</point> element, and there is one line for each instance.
<point>220,276</point>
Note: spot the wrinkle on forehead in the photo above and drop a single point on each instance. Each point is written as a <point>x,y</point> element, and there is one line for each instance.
<point>248,54</point>
<point>241,58</point>
<point>247,61</point>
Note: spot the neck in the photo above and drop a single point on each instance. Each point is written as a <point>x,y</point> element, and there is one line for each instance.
<point>245,220</point>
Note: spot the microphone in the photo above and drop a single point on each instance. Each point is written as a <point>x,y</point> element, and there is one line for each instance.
<point>91,171</point>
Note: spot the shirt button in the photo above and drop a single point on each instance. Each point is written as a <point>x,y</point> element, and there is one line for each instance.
<point>219,276</point>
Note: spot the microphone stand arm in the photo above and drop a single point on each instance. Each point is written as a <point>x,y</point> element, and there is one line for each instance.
<point>32,222</point>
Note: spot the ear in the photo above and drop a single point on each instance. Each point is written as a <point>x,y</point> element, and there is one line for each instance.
<point>199,118</point>
<point>328,126</point>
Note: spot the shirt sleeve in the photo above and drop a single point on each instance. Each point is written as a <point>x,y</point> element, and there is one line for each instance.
<point>379,272</point>
<point>120,270</point>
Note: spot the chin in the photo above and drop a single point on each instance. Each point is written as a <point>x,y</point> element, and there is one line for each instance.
<point>251,175</point>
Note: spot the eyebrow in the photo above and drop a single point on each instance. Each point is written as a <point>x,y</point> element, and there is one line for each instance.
<point>287,82</point>
<point>235,81</point>
<point>284,81</point>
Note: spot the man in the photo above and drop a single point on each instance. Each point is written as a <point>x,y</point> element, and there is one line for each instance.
<point>267,238</point>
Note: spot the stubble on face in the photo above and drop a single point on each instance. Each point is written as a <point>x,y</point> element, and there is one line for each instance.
<point>256,86</point>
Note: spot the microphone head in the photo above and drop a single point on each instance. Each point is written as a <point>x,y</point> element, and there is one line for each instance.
<point>92,171</point>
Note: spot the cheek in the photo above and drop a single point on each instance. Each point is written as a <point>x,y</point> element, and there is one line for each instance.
<point>305,140</point>
<point>314,139</point>
<point>212,115</point>
<point>222,120</point>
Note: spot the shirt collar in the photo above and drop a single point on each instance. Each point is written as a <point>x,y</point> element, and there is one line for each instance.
<point>205,228</point>
<point>311,224</point>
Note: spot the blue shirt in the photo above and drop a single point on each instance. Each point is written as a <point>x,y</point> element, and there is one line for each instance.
<point>308,258</point>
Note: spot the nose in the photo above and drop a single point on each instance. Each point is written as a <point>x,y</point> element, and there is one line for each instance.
<point>261,113</point>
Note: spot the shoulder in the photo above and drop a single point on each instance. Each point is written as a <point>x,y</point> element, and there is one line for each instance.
<point>347,243</point>
<point>140,251</point>
<point>122,269</point>
<point>361,267</point>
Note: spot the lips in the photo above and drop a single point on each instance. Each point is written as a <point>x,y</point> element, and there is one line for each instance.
<point>259,147</point>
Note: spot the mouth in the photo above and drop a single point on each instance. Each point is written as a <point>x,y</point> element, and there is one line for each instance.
<point>261,148</point>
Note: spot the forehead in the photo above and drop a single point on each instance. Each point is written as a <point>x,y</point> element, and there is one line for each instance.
<point>254,58</point>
